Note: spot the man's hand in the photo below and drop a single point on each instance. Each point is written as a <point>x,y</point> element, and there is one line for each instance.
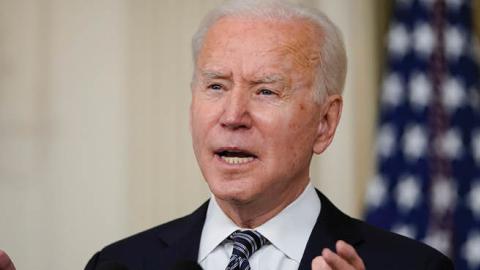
<point>346,258</point>
<point>5,262</point>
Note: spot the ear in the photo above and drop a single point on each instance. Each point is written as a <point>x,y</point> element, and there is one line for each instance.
<point>330,116</point>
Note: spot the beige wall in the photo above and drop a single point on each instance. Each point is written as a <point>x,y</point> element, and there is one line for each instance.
<point>94,140</point>
<point>63,129</point>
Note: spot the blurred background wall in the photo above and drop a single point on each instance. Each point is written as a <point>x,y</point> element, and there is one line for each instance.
<point>94,139</point>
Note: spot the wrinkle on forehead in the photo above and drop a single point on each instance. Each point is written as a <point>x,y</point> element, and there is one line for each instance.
<point>303,59</point>
<point>295,42</point>
<point>302,45</point>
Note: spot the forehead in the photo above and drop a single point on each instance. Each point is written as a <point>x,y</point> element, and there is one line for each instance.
<point>261,40</point>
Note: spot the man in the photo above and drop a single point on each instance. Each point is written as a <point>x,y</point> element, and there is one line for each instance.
<point>266,95</point>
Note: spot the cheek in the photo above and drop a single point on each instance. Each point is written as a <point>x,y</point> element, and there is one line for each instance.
<point>202,115</point>
<point>293,126</point>
<point>204,118</point>
<point>198,124</point>
<point>296,132</point>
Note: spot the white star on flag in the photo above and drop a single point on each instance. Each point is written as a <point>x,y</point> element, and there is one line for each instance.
<point>420,91</point>
<point>392,90</point>
<point>444,195</point>
<point>407,193</point>
<point>414,142</point>
<point>450,144</point>
<point>471,250</point>
<point>473,199</point>
<point>453,94</point>
<point>398,41</point>
<point>439,240</point>
<point>424,39</point>
<point>405,230</point>
<point>454,42</point>
<point>376,192</point>
<point>386,141</point>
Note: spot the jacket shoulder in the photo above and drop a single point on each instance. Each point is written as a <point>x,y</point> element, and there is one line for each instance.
<point>152,236</point>
<point>382,249</point>
<point>149,245</point>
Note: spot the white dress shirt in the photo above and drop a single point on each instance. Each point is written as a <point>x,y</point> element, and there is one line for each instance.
<point>287,232</point>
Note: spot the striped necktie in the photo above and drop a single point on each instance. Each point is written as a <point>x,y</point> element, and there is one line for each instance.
<point>245,243</point>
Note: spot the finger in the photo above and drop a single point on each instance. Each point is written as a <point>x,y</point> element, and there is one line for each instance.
<point>348,253</point>
<point>335,261</point>
<point>5,262</point>
<point>319,263</point>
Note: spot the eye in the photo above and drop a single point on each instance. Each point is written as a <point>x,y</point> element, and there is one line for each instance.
<point>265,92</point>
<point>215,86</point>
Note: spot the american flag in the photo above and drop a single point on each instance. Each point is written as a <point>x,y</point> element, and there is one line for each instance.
<point>427,183</point>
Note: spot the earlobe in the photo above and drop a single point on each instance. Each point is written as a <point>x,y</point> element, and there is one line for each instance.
<point>330,117</point>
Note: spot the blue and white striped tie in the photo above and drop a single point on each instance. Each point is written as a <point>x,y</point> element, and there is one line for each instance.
<point>245,243</point>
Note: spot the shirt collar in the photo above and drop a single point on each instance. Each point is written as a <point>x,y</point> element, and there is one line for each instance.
<point>283,230</point>
<point>304,210</point>
<point>218,226</point>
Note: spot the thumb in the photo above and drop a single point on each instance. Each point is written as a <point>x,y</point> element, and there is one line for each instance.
<point>5,262</point>
<point>318,263</point>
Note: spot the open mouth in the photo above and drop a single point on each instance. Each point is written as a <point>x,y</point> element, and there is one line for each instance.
<point>235,156</point>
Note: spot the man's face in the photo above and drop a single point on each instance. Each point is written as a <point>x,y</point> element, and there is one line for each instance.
<point>253,119</point>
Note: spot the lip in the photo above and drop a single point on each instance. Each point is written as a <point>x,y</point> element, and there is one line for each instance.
<point>234,149</point>
<point>235,162</point>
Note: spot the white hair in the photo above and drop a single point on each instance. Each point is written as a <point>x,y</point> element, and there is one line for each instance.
<point>330,78</point>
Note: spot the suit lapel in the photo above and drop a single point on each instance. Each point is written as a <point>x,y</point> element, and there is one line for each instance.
<point>332,225</point>
<point>181,240</point>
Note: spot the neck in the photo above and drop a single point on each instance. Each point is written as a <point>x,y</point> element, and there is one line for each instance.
<point>254,213</point>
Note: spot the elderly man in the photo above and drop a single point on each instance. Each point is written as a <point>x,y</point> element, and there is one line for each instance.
<point>266,95</point>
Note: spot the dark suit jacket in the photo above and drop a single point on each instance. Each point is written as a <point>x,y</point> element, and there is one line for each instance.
<point>161,247</point>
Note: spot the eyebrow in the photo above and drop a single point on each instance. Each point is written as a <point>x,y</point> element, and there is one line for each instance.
<point>211,74</point>
<point>271,78</point>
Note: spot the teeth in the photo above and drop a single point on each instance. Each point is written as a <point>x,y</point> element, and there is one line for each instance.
<point>237,160</point>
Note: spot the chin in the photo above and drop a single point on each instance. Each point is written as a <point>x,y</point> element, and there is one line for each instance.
<point>234,191</point>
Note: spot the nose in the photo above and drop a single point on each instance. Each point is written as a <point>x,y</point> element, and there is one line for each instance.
<point>236,113</point>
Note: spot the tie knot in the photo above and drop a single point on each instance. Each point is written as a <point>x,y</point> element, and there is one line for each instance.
<point>245,243</point>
